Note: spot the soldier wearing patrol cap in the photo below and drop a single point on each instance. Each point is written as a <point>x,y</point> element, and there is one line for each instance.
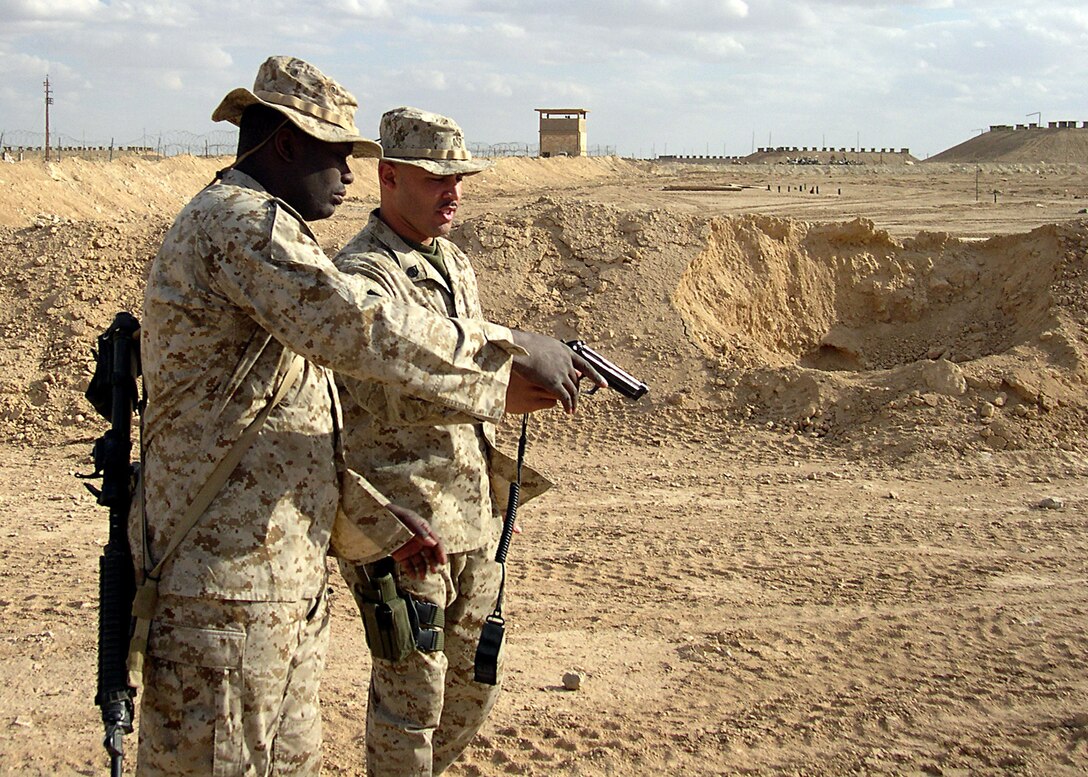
<point>425,707</point>
<point>243,318</point>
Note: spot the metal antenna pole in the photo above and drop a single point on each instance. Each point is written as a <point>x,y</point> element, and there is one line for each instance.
<point>48,102</point>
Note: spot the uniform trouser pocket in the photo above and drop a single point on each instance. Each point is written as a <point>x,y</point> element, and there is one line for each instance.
<point>232,688</point>
<point>191,713</point>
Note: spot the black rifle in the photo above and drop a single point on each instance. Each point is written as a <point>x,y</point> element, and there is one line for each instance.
<point>114,394</point>
<point>617,378</point>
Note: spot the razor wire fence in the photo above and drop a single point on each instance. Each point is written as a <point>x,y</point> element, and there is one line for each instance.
<point>496,150</point>
<point>23,144</point>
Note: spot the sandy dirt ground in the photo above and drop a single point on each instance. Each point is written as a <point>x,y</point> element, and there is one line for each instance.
<point>845,533</point>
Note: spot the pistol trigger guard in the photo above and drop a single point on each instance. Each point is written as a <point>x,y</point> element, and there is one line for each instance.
<point>593,390</point>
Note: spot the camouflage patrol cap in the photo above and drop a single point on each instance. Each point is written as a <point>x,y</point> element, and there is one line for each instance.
<point>435,143</point>
<point>313,102</point>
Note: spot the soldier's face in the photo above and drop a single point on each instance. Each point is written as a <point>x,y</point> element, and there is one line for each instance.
<point>418,205</point>
<point>320,177</point>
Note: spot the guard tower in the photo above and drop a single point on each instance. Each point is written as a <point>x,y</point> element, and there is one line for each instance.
<point>562,131</point>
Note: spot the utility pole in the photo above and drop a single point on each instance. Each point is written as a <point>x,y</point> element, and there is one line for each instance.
<point>48,102</point>
<point>1039,118</point>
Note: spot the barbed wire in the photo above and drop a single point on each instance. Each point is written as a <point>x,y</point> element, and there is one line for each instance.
<point>221,142</point>
<point>173,143</point>
<point>494,150</point>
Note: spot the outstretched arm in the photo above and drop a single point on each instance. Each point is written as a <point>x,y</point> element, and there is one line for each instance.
<point>550,365</point>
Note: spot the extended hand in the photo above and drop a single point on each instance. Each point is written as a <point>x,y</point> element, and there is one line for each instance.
<point>553,367</point>
<point>525,397</point>
<point>424,551</point>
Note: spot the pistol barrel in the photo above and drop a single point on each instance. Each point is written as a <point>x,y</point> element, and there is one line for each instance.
<point>618,379</point>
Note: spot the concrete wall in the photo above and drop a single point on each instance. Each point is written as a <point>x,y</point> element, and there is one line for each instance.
<point>1065,124</point>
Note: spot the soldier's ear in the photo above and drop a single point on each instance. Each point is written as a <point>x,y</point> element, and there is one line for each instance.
<point>387,174</point>
<point>285,144</point>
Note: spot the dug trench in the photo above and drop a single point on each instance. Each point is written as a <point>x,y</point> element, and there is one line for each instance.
<point>831,331</point>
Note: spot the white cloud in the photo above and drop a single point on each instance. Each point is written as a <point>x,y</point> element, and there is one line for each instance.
<point>366,9</point>
<point>623,14</point>
<point>717,46</point>
<point>511,31</point>
<point>492,84</point>
<point>171,81</point>
<point>47,10</point>
<point>18,66</point>
<point>693,72</point>
<point>424,79</point>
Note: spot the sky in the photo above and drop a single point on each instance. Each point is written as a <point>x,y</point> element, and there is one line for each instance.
<point>657,76</point>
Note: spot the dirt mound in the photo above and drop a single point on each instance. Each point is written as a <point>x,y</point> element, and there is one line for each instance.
<point>33,192</point>
<point>60,285</point>
<point>840,330</point>
<point>1033,146</point>
<point>536,174</point>
<point>832,331</point>
<point>848,297</point>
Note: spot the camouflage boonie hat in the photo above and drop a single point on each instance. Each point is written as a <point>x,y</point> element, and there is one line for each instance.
<point>435,143</point>
<point>313,102</point>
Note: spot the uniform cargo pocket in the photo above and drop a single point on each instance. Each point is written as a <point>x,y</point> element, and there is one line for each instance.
<point>192,707</point>
<point>211,648</point>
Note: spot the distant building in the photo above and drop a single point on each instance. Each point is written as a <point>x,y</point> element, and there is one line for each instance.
<point>562,131</point>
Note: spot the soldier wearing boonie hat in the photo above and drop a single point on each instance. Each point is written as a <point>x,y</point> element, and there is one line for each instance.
<point>317,105</point>
<point>425,707</point>
<point>427,140</point>
<point>243,316</point>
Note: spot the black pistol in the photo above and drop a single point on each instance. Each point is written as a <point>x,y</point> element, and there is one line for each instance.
<point>617,378</point>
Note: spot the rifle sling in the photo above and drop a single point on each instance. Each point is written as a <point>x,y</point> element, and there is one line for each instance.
<point>147,589</point>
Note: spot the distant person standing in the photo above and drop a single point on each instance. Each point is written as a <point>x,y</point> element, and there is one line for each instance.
<point>425,708</point>
<point>243,316</point>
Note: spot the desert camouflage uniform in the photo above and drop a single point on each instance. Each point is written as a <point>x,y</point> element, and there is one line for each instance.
<point>424,710</point>
<point>237,644</point>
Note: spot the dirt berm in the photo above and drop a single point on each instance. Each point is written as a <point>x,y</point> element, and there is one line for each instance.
<point>834,331</point>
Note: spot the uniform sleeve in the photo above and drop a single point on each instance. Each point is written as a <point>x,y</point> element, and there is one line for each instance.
<point>269,267</point>
<point>385,402</point>
<point>364,530</point>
